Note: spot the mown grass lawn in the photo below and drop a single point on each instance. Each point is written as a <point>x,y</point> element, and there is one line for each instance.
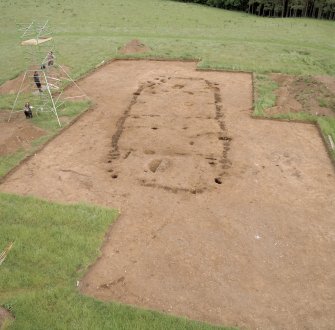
<point>87,32</point>
<point>53,246</point>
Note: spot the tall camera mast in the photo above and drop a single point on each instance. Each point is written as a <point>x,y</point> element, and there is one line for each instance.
<point>44,79</point>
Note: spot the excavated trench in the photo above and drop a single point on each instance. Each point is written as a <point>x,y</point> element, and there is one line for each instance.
<point>160,87</point>
<point>223,218</point>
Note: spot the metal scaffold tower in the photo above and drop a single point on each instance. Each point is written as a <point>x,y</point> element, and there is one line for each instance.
<point>44,79</point>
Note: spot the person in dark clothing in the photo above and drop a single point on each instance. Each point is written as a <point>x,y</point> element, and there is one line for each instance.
<point>50,58</point>
<point>37,81</point>
<point>28,110</point>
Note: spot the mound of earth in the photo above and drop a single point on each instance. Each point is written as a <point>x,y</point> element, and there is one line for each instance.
<point>4,315</point>
<point>314,95</point>
<point>133,47</point>
<point>17,134</point>
<point>11,86</point>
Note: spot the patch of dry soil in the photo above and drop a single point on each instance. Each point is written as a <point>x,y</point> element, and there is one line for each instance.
<point>314,95</point>
<point>224,219</point>
<point>133,47</point>
<point>16,134</point>
<point>4,315</point>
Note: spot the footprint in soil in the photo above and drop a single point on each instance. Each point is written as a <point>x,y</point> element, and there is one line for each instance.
<point>154,164</point>
<point>159,164</point>
<point>148,152</point>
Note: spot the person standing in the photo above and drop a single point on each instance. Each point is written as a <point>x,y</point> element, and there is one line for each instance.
<point>28,110</point>
<point>50,58</point>
<point>37,81</point>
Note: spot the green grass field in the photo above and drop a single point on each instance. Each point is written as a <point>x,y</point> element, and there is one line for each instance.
<point>88,32</point>
<point>54,244</point>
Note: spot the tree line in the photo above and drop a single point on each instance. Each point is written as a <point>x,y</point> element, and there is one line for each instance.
<point>322,9</point>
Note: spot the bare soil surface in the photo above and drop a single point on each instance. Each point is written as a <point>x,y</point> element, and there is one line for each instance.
<point>4,315</point>
<point>314,95</point>
<point>133,47</point>
<point>11,86</point>
<point>328,81</point>
<point>16,134</point>
<point>224,218</point>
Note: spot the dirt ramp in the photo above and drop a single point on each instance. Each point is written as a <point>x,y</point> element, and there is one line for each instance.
<point>11,86</point>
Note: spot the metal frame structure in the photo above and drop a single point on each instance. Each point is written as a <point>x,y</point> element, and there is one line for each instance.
<point>37,43</point>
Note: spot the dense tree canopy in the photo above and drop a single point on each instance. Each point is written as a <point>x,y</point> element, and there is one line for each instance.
<point>277,8</point>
